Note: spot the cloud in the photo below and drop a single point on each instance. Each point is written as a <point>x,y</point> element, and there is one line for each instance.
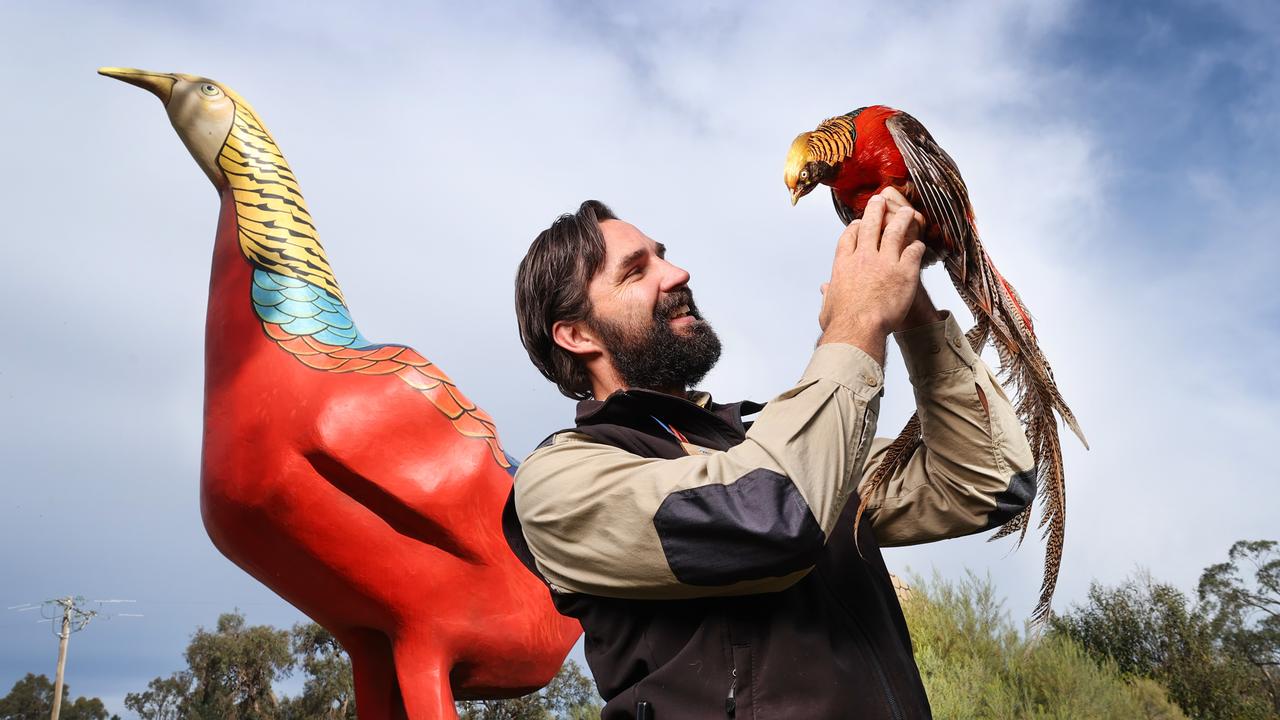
<point>433,143</point>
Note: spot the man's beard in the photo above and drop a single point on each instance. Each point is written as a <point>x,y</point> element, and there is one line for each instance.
<point>657,357</point>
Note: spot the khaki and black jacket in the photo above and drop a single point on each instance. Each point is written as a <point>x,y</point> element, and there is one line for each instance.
<point>712,562</point>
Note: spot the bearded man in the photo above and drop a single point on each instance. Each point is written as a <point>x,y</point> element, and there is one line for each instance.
<point>713,562</point>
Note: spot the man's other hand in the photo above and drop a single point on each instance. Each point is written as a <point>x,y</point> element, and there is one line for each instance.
<point>874,277</point>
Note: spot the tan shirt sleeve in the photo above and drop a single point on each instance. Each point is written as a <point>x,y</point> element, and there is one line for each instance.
<point>754,518</point>
<point>974,469</point>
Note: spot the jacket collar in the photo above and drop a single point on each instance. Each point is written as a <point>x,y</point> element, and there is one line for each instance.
<point>623,406</point>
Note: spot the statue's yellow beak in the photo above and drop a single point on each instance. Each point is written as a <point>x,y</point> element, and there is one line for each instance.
<point>159,84</point>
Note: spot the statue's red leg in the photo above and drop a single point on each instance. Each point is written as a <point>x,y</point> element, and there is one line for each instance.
<point>373,665</point>
<point>424,680</point>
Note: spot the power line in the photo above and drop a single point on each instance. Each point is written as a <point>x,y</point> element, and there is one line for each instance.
<point>68,615</point>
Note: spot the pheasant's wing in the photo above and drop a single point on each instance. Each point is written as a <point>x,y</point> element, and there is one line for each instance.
<point>316,328</point>
<point>943,193</point>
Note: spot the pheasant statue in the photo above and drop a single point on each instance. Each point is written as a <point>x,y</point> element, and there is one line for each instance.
<point>863,152</point>
<point>353,478</point>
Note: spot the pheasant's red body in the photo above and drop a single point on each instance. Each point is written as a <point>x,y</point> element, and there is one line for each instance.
<point>876,165</point>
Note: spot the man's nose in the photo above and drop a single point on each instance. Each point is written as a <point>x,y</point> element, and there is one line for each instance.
<point>674,277</point>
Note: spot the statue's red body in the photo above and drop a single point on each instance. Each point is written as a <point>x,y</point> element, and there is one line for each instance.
<point>361,504</point>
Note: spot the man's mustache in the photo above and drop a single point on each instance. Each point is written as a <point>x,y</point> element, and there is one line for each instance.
<point>673,300</point>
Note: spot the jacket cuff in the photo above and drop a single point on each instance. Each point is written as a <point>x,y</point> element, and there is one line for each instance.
<point>935,348</point>
<point>848,366</point>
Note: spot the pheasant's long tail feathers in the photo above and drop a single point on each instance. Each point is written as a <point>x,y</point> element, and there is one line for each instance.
<point>1026,370</point>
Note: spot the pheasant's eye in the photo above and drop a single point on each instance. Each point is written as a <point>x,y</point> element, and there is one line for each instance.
<point>804,174</point>
<point>210,89</point>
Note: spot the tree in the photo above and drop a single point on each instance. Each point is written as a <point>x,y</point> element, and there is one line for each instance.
<point>329,692</point>
<point>1149,630</point>
<point>228,677</point>
<point>230,672</point>
<point>32,699</point>
<point>1246,613</point>
<point>164,698</point>
<point>569,696</point>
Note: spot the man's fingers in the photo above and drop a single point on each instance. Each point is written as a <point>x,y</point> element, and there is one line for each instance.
<point>872,225</point>
<point>913,254</point>
<point>848,239</point>
<point>896,231</point>
<point>894,198</point>
<point>915,230</point>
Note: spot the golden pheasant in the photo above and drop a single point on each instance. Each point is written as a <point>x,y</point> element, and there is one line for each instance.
<point>353,478</point>
<point>861,153</point>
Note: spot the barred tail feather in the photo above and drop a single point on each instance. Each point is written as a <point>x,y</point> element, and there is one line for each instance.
<point>1027,372</point>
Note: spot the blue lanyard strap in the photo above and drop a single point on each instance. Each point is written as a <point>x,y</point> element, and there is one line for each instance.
<point>670,429</point>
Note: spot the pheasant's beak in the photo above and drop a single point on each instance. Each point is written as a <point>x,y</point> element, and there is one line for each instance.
<point>802,188</point>
<point>159,84</point>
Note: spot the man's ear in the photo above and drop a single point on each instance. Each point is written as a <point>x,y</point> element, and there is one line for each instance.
<point>576,338</point>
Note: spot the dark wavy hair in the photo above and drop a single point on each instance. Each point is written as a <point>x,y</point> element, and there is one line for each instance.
<point>551,286</point>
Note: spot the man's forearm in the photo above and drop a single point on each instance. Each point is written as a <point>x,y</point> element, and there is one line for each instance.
<point>974,468</point>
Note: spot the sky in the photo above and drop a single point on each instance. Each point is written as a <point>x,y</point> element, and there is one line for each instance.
<point>1121,158</point>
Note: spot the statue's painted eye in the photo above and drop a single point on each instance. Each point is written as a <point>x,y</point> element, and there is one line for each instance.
<point>210,89</point>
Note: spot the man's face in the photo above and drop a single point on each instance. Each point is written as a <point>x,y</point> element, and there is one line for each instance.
<point>644,314</point>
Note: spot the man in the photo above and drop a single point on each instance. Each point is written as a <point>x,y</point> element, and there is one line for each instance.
<point>712,562</point>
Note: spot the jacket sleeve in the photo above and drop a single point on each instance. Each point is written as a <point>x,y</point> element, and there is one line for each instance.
<point>753,518</point>
<point>974,470</point>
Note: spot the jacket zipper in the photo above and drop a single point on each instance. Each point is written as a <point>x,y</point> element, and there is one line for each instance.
<point>889,697</point>
<point>731,702</point>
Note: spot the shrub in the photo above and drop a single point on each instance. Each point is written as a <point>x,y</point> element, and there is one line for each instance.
<point>977,665</point>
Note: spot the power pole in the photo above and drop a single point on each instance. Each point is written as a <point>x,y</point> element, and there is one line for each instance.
<point>74,619</point>
<point>69,615</point>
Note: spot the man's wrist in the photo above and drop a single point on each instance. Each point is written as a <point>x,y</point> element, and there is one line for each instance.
<point>867,338</point>
<point>921,312</point>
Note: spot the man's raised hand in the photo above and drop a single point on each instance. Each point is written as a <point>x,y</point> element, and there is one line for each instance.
<point>874,277</point>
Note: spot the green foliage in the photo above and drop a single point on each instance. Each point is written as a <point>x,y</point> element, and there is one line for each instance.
<point>230,672</point>
<point>1149,629</point>
<point>1245,613</point>
<point>229,676</point>
<point>569,696</point>
<point>329,692</point>
<point>977,666</point>
<point>233,669</point>
<point>164,698</point>
<point>32,699</point>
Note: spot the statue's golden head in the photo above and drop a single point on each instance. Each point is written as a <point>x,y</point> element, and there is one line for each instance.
<point>201,110</point>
